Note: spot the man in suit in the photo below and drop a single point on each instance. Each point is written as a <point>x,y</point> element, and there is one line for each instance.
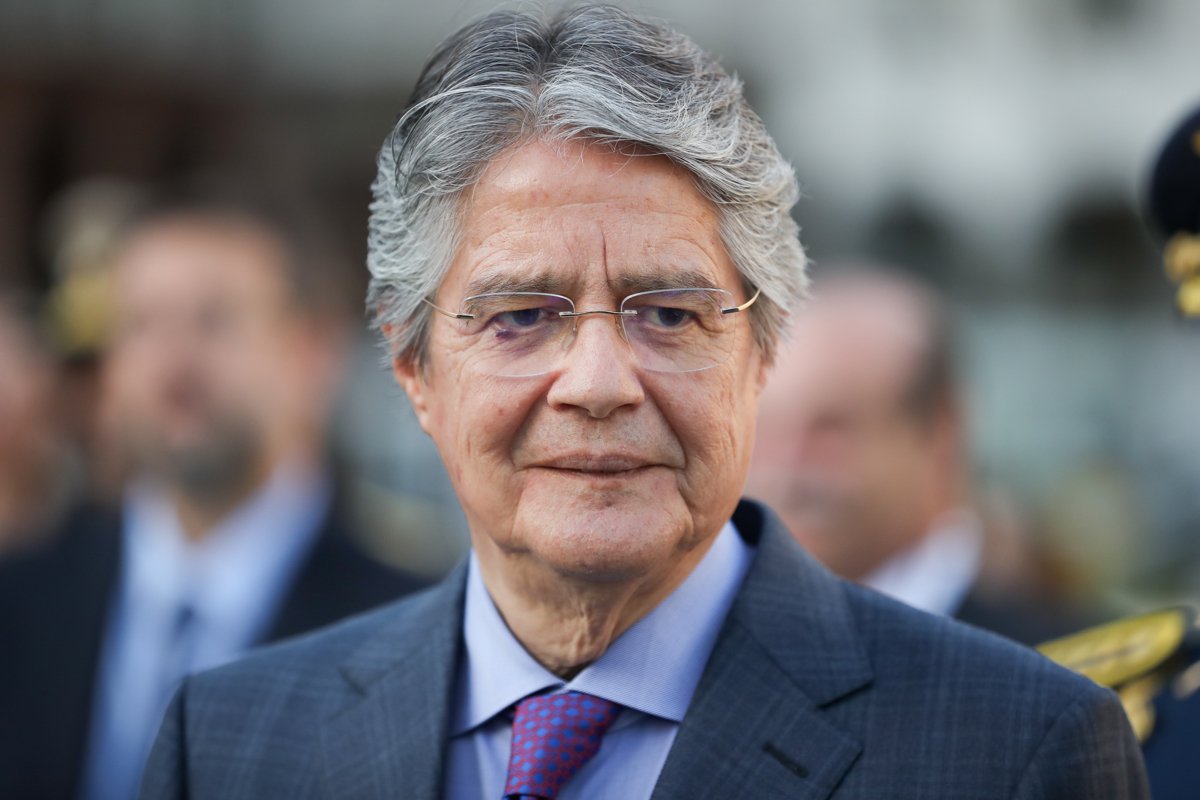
<point>232,529</point>
<point>862,449</point>
<point>582,257</point>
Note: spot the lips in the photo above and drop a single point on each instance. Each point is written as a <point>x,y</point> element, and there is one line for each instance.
<point>601,464</point>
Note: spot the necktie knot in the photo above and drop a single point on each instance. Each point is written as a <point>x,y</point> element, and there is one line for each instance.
<point>553,736</point>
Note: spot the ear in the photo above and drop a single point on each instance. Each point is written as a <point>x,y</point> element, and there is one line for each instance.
<point>765,366</point>
<point>409,375</point>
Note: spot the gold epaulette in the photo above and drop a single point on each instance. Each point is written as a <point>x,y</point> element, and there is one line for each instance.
<point>1132,656</point>
<point>79,312</point>
<point>1181,261</point>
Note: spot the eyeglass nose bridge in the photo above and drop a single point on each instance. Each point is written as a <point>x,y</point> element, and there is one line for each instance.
<point>572,314</point>
<point>604,312</point>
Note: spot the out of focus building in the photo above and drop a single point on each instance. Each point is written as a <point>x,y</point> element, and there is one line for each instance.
<point>999,144</point>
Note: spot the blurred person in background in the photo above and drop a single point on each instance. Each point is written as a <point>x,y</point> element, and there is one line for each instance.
<point>39,473</point>
<point>80,236</point>
<point>223,362</point>
<point>862,447</point>
<point>1172,706</point>
<point>1152,660</point>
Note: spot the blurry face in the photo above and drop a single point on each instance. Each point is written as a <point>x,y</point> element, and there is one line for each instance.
<point>838,455</point>
<point>205,353</point>
<point>597,469</point>
<point>26,397</point>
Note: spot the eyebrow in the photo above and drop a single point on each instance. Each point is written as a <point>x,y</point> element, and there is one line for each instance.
<point>493,282</point>
<point>626,284</point>
<point>673,279</point>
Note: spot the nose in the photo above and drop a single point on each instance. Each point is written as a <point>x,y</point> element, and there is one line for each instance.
<point>598,374</point>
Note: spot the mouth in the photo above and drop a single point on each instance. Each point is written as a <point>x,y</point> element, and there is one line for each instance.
<point>598,466</point>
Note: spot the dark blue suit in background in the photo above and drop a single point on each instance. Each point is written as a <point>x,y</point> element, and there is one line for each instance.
<point>816,689</point>
<point>1173,747</point>
<point>54,607</point>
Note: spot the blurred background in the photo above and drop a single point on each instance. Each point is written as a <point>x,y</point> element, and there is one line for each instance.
<point>997,149</point>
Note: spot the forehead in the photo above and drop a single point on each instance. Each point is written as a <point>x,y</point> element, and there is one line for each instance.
<point>568,216</point>
<point>848,355</point>
<point>194,259</point>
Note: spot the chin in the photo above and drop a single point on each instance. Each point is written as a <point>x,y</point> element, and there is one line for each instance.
<point>617,539</point>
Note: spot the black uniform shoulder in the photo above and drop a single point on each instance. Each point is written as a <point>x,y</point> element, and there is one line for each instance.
<point>1170,747</point>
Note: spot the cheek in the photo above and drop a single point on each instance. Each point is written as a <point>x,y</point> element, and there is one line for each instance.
<point>906,466</point>
<point>475,428</point>
<point>249,380</point>
<point>140,378</point>
<point>715,423</point>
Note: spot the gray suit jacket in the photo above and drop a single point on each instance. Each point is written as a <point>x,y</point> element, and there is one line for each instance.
<point>815,689</point>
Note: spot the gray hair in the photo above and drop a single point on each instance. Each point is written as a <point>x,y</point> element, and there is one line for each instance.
<point>598,74</point>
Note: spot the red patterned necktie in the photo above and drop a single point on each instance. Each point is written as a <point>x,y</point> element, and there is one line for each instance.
<point>553,736</point>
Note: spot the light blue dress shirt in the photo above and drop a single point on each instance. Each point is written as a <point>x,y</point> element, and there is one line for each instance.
<point>231,583</point>
<point>652,670</point>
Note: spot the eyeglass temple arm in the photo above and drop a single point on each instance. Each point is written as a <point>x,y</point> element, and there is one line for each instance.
<point>450,314</point>
<point>743,306</point>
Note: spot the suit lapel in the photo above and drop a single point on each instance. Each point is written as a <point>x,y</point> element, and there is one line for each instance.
<point>89,561</point>
<point>390,736</point>
<point>331,584</point>
<point>756,725</point>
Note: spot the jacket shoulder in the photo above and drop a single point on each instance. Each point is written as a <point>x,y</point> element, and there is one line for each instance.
<point>945,692</point>
<point>321,653</point>
<point>256,727</point>
<point>916,645</point>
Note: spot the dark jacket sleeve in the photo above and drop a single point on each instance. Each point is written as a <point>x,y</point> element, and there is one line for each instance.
<point>165,777</point>
<point>1089,751</point>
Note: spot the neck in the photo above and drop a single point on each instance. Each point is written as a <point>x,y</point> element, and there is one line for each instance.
<point>200,514</point>
<point>202,508</point>
<point>565,622</point>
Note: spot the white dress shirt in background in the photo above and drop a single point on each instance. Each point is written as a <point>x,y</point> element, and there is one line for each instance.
<point>937,573</point>
<point>231,583</point>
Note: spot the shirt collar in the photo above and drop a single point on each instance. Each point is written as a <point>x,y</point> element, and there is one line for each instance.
<point>223,576</point>
<point>935,574</point>
<point>653,667</point>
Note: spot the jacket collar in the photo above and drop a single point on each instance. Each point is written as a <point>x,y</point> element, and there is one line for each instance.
<point>788,649</point>
<point>389,735</point>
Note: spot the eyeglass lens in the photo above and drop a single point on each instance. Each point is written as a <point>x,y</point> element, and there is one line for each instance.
<point>522,334</point>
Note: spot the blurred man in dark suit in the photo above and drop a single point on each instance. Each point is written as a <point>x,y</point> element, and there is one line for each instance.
<point>220,374</point>
<point>862,447</point>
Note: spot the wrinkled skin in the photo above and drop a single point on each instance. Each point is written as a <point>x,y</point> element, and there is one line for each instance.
<point>593,490</point>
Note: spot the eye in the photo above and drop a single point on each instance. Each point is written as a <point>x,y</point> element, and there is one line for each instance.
<point>667,316</point>
<point>523,317</point>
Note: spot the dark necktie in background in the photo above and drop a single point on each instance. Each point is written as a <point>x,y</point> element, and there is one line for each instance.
<point>181,651</point>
